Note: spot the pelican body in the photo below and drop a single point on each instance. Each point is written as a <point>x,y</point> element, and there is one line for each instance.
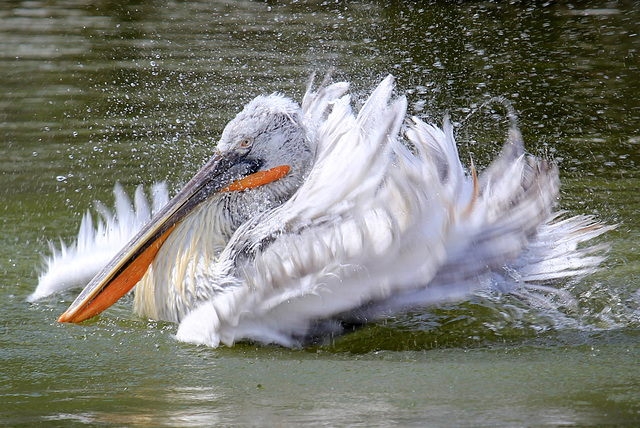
<point>313,215</point>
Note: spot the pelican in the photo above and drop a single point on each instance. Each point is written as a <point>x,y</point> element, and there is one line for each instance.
<point>309,216</point>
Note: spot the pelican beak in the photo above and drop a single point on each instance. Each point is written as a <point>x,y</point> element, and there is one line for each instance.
<point>228,172</point>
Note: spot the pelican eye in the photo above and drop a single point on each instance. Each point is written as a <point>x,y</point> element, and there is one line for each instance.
<point>245,143</point>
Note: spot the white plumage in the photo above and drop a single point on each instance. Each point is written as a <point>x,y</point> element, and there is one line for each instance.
<point>73,266</point>
<point>362,227</point>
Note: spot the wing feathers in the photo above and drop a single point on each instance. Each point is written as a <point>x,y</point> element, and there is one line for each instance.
<point>377,229</point>
<point>74,266</point>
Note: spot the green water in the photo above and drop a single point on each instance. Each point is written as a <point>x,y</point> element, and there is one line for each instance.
<point>94,92</point>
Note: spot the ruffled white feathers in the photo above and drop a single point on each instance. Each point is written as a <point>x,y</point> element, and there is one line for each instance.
<point>74,266</point>
<point>375,228</point>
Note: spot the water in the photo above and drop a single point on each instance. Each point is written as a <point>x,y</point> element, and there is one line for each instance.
<point>98,92</point>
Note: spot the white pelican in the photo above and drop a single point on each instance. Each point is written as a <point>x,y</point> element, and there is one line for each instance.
<point>312,215</point>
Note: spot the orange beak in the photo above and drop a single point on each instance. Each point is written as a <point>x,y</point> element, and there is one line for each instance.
<point>129,266</point>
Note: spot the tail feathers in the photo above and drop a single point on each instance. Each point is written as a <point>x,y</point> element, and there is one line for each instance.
<point>509,241</point>
<point>511,232</point>
<point>74,265</point>
<point>493,219</point>
<point>554,252</point>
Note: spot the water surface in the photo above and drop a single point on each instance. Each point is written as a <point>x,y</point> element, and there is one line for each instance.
<point>93,93</point>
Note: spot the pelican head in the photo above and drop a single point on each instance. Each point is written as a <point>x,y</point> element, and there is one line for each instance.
<point>262,158</point>
<point>267,144</point>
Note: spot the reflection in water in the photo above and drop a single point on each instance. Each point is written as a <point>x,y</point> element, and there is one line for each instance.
<point>97,92</point>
